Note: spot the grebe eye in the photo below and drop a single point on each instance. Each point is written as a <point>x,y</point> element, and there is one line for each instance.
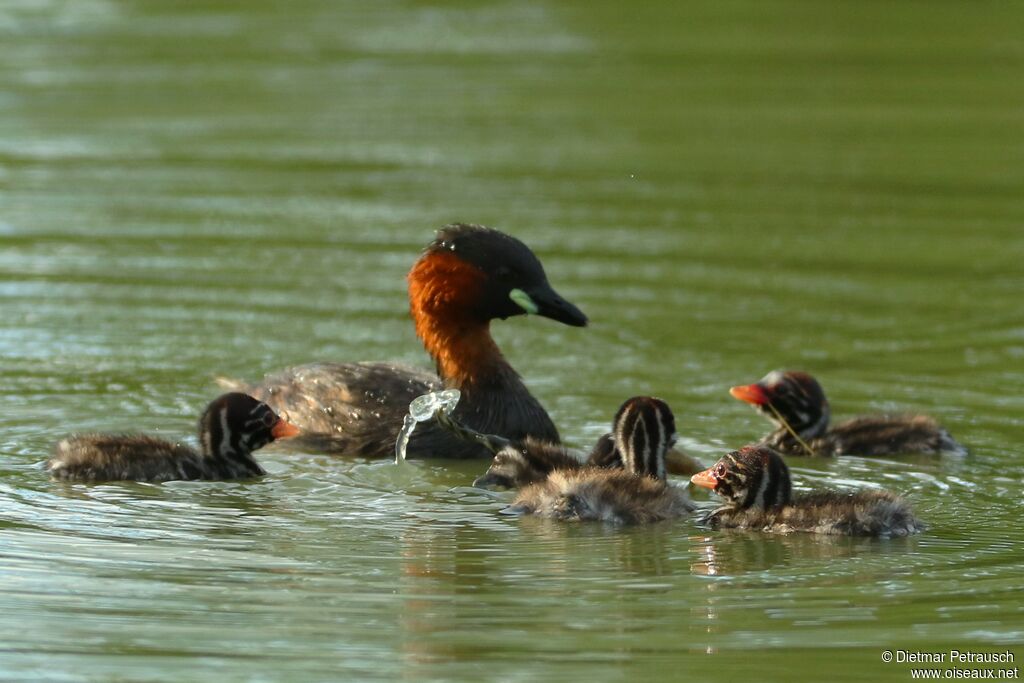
<point>269,419</point>
<point>719,470</point>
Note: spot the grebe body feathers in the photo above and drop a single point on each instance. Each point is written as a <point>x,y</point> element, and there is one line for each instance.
<point>796,403</point>
<point>467,276</point>
<point>756,487</point>
<point>230,429</point>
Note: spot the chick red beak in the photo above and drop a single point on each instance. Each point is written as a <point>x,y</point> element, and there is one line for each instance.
<point>283,429</point>
<point>705,479</point>
<point>754,394</point>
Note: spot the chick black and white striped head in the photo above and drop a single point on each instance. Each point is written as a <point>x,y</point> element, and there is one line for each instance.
<point>795,396</point>
<point>752,477</point>
<point>643,431</point>
<point>235,425</point>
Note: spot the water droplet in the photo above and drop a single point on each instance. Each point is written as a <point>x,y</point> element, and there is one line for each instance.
<point>422,409</point>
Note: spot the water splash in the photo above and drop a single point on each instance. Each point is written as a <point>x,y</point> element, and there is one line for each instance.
<point>422,409</point>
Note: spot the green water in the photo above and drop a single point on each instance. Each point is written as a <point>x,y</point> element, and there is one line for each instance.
<point>196,189</point>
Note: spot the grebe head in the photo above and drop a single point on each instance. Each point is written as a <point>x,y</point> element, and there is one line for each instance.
<point>793,396</point>
<point>474,273</point>
<point>237,424</point>
<point>752,477</point>
<point>644,430</point>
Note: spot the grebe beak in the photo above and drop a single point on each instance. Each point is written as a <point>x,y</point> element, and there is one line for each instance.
<point>705,479</point>
<point>283,429</point>
<point>754,394</point>
<point>489,480</point>
<point>543,300</point>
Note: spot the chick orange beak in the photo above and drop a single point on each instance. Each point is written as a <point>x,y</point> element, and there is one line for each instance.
<point>705,479</point>
<point>753,394</point>
<point>284,429</point>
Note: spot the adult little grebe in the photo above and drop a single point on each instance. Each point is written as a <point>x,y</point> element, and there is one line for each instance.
<point>644,430</point>
<point>755,483</point>
<point>230,429</point>
<point>796,403</point>
<point>468,276</point>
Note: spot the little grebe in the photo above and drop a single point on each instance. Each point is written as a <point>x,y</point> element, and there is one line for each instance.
<point>755,483</point>
<point>605,454</point>
<point>643,431</point>
<point>518,463</point>
<point>230,429</point>
<point>467,276</point>
<point>796,403</point>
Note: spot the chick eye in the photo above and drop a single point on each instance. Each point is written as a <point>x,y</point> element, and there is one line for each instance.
<point>269,419</point>
<point>719,470</point>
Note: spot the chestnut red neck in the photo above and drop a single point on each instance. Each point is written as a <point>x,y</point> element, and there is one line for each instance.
<point>444,299</point>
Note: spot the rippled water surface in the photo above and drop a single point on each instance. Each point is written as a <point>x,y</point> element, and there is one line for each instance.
<point>196,189</point>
